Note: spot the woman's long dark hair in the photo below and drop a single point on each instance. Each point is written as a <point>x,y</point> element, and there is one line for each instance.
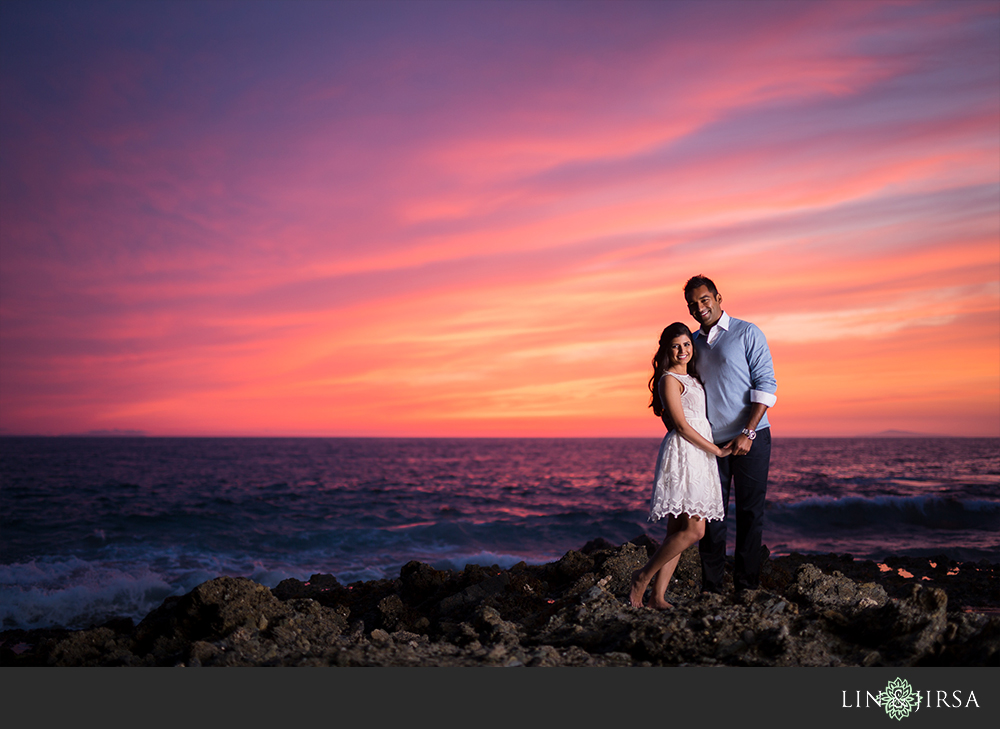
<point>661,360</point>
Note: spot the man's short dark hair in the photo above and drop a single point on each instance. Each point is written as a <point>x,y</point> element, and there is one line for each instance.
<point>698,281</point>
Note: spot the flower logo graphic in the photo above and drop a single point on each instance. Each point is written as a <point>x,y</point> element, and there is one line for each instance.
<point>898,699</point>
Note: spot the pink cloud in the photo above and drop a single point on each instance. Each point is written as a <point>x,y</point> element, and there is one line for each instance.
<point>480,225</point>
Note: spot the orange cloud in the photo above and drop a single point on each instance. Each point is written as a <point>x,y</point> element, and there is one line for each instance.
<point>483,232</point>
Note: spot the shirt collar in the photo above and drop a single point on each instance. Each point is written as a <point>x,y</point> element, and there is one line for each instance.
<point>712,335</point>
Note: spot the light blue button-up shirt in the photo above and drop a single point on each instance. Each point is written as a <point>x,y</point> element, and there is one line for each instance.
<point>734,361</point>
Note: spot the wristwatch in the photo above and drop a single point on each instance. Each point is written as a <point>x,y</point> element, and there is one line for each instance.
<point>751,434</point>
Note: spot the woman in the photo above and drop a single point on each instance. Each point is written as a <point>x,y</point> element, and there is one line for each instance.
<point>686,487</point>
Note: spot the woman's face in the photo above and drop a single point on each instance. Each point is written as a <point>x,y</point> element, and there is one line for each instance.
<point>680,351</point>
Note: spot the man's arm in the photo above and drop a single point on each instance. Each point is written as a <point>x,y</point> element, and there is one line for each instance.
<point>764,385</point>
<point>741,444</point>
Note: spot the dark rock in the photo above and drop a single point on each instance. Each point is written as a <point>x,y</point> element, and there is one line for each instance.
<point>394,613</point>
<point>97,647</point>
<point>494,629</point>
<point>814,587</point>
<point>646,542</point>
<point>212,609</point>
<point>906,630</point>
<point>573,565</point>
<point>596,545</point>
<point>969,639</point>
<point>833,611</point>
<point>619,566</point>
<point>420,581</point>
<point>291,588</point>
<point>475,593</point>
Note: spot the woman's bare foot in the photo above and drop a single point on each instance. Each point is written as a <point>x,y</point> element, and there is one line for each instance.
<point>658,603</point>
<point>638,589</point>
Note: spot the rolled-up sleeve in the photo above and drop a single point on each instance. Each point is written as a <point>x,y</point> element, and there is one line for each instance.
<point>764,386</point>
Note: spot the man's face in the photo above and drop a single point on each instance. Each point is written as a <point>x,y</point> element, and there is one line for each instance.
<point>705,307</point>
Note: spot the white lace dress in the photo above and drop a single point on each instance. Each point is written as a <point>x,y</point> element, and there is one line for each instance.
<point>687,478</point>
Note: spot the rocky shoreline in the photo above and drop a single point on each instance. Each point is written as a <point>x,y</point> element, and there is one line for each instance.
<point>809,611</point>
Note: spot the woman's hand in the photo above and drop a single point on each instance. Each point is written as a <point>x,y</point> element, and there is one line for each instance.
<point>726,451</point>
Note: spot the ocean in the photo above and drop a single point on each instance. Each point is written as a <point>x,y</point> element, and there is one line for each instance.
<point>94,528</point>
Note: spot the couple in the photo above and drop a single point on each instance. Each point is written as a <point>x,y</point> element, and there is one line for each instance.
<point>711,445</point>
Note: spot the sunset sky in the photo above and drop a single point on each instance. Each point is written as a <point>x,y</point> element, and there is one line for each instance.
<point>475,218</point>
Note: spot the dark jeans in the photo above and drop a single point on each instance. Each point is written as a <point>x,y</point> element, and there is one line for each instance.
<point>749,475</point>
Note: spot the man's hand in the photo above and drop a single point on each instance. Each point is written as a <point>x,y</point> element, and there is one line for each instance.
<point>740,445</point>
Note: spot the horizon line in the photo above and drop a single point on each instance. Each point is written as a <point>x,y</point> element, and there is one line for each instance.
<point>902,435</point>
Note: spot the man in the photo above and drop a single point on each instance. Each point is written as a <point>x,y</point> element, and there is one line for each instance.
<point>735,363</point>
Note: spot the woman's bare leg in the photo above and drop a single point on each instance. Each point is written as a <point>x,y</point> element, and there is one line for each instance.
<point>682,532</point>
<point>658,599</point>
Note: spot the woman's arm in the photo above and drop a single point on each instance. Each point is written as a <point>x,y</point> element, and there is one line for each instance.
<point>670,393</point>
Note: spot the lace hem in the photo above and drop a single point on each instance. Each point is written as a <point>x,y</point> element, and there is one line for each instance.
<point>706,511</point>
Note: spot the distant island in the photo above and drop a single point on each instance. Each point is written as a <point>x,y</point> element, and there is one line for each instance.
<point>902,434</point>
<point>109,434</point>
